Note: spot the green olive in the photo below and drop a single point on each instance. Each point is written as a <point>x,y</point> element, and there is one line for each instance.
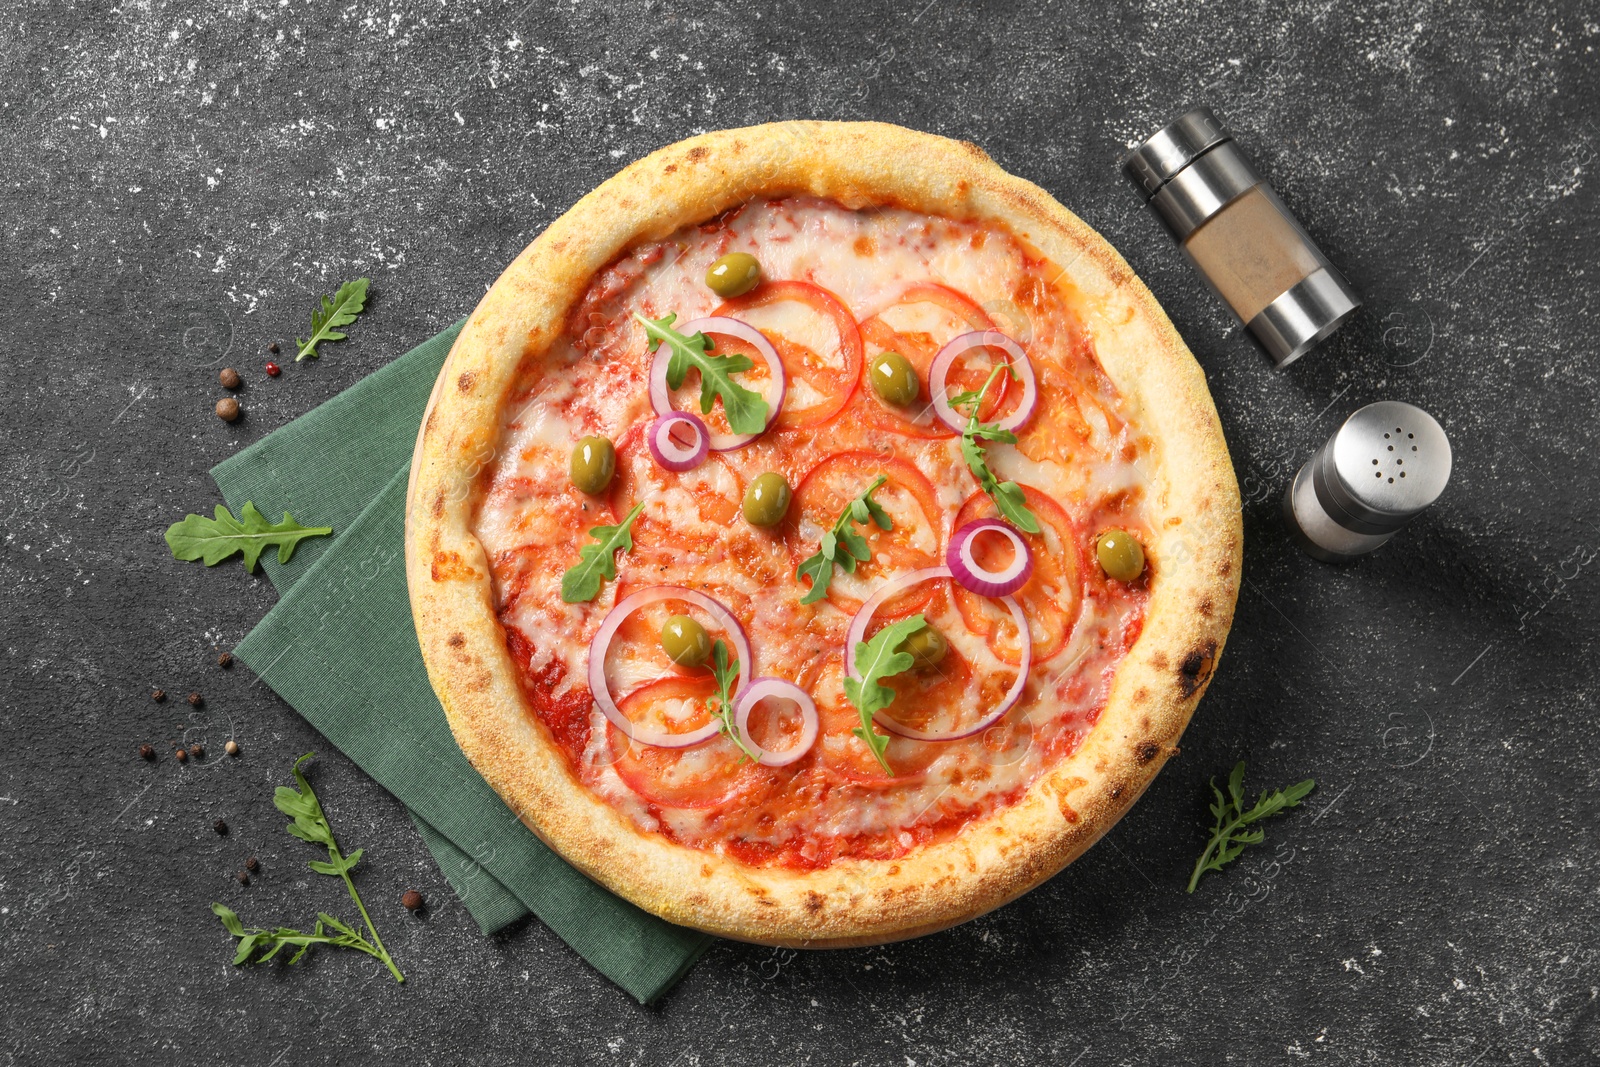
<point>735,274</point>
<point>927,646</point>
<point>685,641</point>
<point>767,500</point>
<point>594,461</point>
<point>895,379</point>
<point>1120,554</point>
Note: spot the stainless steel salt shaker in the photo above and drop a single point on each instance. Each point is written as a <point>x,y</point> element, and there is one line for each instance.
<point>1386,464</point>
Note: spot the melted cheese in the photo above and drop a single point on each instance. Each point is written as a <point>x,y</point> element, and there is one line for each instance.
<point>1082,452</point>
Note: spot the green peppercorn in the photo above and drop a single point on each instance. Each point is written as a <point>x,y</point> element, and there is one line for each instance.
<point>734,275</point>
<point>1120,554</point>
<point>767,500</point>
<point>594,462</point>
<point>895,379</point>
<point>685,641</point>
<point>927,646</point>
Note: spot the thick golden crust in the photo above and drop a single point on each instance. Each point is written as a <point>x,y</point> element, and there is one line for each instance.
<point>1194,501</point>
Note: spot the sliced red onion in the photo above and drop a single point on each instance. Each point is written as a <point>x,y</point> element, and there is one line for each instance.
<point>668,451</point>
<point>966,570</point>
<point>858,632</point>
<point>601,643</point>
<point>982,339</point>
<point>776,689</point>
<point>661,397</point>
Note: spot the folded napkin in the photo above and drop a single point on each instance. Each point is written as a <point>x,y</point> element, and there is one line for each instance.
<point>340,648</point>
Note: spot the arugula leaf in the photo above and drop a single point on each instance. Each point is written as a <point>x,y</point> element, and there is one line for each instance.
<point>310,824</point>
<point>339,310</point>
<point>745,408</point>
<point>582,580</point>
<point>726,670</point>
<point>875,660</point>
<point>1228,835</point>
<point>1007,496</point>
<point>214,540</point>
<point>819,567</point>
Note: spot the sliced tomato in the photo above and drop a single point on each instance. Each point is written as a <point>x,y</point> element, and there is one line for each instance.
<point>916,541</point>
<point>921,321</point>
<point>817,339</point>
<point>1052,596</point>
<point>700,776</point>
<point>845,755</point>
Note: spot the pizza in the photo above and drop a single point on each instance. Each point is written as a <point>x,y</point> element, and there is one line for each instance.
<point>819,536</point>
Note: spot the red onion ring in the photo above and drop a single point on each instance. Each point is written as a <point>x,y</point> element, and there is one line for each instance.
<point>660,396</point>
<point>668,452</point>
<point>967,571</point>
<point>858,631</point>
<point>982,339</point>
<point>601,643</point>
<point>776,689</point>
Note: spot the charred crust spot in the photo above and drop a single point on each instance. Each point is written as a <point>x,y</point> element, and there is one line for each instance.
<point>672,168</point>
<point>705,870</point>
<point>963,187</point>
<point>438,505</point>
<point>698,152</point>
<point>1195,670</point>
<point>1225,568</point>
<point>1116,791</point>
<point>455,640</point>
<point>1145,751</point>
<point>1205,607</point>
<point>1159,661</point>
<point>894,869</point>
<point>814,899</point>
<point>464,383</point>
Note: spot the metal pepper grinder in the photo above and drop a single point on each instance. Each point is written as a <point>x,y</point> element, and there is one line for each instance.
<point>1379,470</point>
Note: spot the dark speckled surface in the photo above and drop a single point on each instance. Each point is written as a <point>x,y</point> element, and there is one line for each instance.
<point>178,180</point>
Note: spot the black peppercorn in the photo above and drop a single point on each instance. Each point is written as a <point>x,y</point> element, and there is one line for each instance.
<point>412,900</point>
<point>230,378</point>
<point>252,864</point>
<point>244,878</point>
<point>196,751</point>
<point>195,700</point>
<point>158,695</point>
<point>147,751</point>
<point>273,348</point>
<point>220,827</point>
<point>225,660</point>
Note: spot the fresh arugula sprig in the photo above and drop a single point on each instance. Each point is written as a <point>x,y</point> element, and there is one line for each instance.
<point>214,540</point>
<point>819,567</point>
<point>1228,835</point>
<point>876,660</point>
<point>310,824</point>
<point>1007,496</point>
<point>340,309</point>
<point>725,668</point>
<point>596,562</point>
<point>745,408</point>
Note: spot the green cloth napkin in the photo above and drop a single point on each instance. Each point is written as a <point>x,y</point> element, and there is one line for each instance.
<point>340,647</point>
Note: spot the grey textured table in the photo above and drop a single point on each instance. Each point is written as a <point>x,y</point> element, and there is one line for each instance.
<point>179,181</point>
